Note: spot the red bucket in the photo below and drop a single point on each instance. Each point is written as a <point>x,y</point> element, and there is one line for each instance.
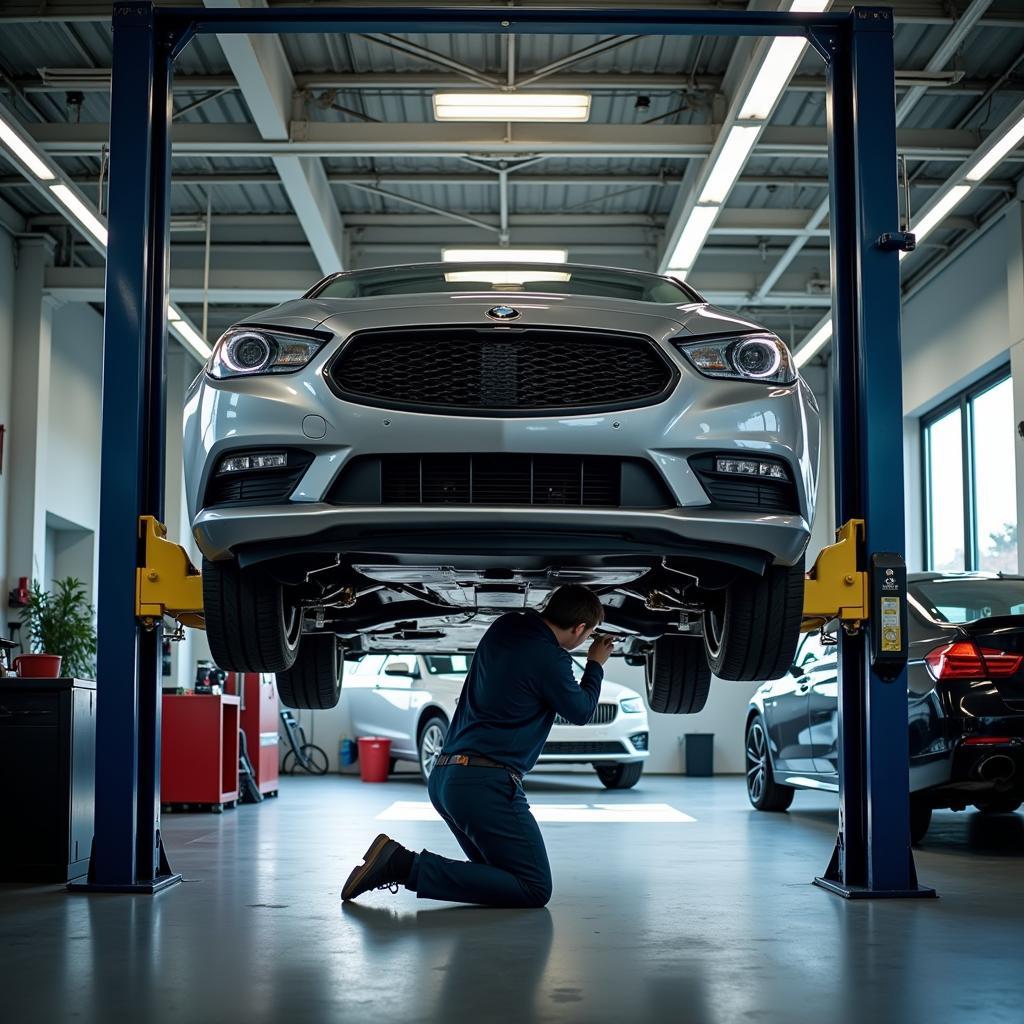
<point>37,666</point>
<point>374,758</point>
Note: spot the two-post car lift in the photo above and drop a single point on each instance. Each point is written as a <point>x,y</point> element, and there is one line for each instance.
<point>860,580</point>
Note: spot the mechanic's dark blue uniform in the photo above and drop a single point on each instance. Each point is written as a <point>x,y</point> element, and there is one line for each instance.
<point>519,678</point>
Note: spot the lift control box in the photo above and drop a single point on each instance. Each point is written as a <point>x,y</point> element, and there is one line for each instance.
<point>888,614</point>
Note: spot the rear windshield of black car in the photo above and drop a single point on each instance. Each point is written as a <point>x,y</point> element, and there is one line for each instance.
<point>511,278</point>
<point>965,600</point>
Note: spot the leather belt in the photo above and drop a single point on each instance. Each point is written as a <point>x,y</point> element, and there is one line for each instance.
<point>475,761</point>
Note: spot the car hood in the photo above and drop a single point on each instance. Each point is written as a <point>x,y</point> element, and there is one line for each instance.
<point>343,316</point>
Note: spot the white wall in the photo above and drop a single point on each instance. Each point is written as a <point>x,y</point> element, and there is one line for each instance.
<point>6,355</point>
<point>73,483</point>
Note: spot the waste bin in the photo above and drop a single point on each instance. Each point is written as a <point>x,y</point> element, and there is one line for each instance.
<point>700,753</point>
<point>374,756</point>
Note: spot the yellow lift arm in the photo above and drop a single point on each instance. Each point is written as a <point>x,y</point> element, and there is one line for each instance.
<point>167,583</point>
<point>835,588</point>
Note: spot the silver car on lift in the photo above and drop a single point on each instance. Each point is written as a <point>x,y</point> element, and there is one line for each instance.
<point>405,450</point>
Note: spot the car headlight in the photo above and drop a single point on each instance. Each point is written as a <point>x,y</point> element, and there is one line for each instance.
<point>245,351</point>
<point>631,705</point>
<point>753,357</point>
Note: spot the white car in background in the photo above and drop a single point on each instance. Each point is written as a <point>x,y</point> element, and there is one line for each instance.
<point>410,699</point>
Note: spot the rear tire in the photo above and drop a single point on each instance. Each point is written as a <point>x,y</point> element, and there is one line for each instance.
<point>764,793</point>
<point>251,625</point>
<point>620,776</point>
<point>314,680</point>
<point>752,627</point>
<point>999,805</point>
<point>677,675</point>
<point>920,819</point>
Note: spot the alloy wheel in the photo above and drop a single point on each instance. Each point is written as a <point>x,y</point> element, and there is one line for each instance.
<point>430,747</point>
<point>757,762</point>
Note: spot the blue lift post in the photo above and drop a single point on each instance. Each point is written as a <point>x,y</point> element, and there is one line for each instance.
<point>873,856</point>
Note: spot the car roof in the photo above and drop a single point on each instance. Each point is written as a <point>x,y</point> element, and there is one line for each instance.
<point>924,577</point>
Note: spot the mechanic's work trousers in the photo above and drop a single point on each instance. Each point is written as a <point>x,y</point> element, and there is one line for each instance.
<point>487,811</point>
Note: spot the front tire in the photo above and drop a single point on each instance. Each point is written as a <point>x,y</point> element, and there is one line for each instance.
<point>251,624</point>
<point>314,680</point>
<point>431,741</point>
<point>764,793</point>
<point>677,675</point>
<point>752,626</point>
<point>620,776</point>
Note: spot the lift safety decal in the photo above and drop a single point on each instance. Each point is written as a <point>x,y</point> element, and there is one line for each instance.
<point>891,639</point>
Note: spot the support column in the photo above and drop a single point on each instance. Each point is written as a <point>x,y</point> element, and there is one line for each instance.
<point>872,855</point>
<point>1015,310</point>
<point>127,853</point>
<point>26,442</point>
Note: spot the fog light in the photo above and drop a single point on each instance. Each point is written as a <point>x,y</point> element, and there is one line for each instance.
<point>639,741</point>
<point>241,463</point>
<point>750,467</point>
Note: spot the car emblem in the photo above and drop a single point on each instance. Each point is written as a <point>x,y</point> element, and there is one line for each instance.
<point>503,313</point>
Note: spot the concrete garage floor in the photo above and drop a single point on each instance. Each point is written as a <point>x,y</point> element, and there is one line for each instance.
<point>712,920</point>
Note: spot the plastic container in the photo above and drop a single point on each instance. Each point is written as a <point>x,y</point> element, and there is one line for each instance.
<point>348,753</point>
<point>700,753</point>
<point>38,666</point>
<point>374,757</point>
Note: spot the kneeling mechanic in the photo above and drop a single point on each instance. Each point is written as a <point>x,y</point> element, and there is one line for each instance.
<point>520,677</point>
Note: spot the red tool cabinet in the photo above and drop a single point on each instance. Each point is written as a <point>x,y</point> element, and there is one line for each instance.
<point>199,757</point>
<point>259,723</point>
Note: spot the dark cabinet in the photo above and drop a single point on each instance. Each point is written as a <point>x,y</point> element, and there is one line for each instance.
<point>47,770</point>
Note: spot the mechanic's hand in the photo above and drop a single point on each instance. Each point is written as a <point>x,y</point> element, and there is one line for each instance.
<point>601,649</point>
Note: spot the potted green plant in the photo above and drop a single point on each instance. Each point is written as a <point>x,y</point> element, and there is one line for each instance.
<point>60,631</point>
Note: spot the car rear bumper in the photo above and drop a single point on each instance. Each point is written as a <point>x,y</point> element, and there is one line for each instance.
<point>744,539</point>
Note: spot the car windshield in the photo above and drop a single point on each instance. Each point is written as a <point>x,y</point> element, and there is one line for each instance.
<point>961,599</point>
<point>513,278</point>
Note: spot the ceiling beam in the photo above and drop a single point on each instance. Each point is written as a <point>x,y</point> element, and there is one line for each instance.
<point>309,138</point>
<point>265,79</point>
<point>60,80</point>
<point>921,12</point>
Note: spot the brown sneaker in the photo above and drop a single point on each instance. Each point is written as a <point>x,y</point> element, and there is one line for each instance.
<point>378,870</point>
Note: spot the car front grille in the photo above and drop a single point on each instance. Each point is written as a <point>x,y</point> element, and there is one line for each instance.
<point>585,747</point>
<point>259,485</point>
<point>603,714</point>
<point>750,494</point>
<point>573,481</point>
<point>500,371</point>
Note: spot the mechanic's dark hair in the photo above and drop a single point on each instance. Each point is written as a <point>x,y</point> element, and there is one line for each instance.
<point>570,605</point>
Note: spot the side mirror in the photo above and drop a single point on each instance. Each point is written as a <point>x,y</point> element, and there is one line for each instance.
<point>398,668</point>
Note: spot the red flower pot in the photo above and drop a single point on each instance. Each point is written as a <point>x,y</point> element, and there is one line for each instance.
<point>37,666</point>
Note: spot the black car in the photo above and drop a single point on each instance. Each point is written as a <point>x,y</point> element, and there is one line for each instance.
<point>966,692</point>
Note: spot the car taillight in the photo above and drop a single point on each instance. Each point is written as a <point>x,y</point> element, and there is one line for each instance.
<point>965,660</point>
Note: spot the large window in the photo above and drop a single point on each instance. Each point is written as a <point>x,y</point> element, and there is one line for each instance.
<point>970,483</point>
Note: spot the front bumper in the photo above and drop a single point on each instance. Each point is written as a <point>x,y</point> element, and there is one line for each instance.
<point>626,739</point>
<point>716,535</point>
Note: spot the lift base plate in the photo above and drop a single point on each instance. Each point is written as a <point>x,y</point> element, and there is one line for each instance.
<point>862,892</point>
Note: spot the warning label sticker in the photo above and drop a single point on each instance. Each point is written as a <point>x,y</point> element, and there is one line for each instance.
<point>890,624</point>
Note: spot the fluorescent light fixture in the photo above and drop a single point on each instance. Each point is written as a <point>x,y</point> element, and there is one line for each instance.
<point>690,241</point>
<point>24,152</point>
<point>777,67</point>
<point>505,255</point>
<point>515,106</point>
<point>729,163</point>
<point>496,277</point>
<point>1010,139</point>
<point>813,344</point>
<point>78,209</point>
<point>939,211</point>
<point>188,334</point>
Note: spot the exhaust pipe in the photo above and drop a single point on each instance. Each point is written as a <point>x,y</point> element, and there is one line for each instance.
<point>997,768</point>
